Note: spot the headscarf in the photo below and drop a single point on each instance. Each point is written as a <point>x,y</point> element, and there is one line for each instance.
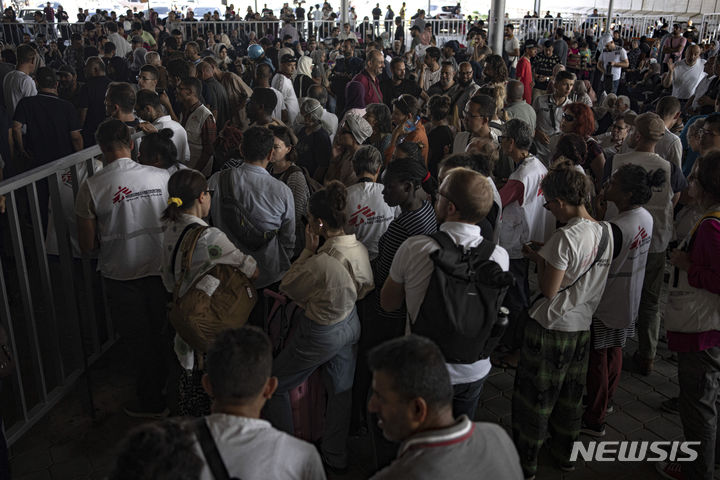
<point>304,66</point>
<point>138,59</point>
<point>354,95</point>
<point>225,40</point>
<point>313,108</point>
<point>359,127</point>
<point>284,51</point>
<point>217,48</point>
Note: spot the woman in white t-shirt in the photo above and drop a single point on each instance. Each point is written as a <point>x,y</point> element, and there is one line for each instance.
<point>630,187</point>
<point>572,270</point>
<point>188,204</point>
<point>368,216</point>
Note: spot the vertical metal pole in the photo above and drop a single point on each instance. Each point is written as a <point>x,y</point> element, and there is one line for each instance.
<point>609,15</point>
<point>497,18</point>
<point>344,11</point>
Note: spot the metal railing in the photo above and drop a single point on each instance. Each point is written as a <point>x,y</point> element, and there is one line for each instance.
<point>444,29</point>
<point>709,27</point>
<point>51,300</point>
<point>631,26</point>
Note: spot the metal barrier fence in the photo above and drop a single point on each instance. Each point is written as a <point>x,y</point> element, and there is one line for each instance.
<point>51,298</point>
<point>709,27</point>
<point>444,29</point>
<point>631,26</point>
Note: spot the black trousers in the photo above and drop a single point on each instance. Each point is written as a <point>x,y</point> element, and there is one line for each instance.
<point>139,313</point>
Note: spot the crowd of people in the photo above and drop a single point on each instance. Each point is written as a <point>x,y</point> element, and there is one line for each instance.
<point>318,164</point>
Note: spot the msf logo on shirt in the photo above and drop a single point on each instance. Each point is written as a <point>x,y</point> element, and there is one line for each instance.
<point>120,195</point>
<point>361,215</point>
<point>635,451</point>
<point>638,239</point>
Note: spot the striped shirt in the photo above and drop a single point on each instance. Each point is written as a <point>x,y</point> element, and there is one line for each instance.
<point>417,222</point>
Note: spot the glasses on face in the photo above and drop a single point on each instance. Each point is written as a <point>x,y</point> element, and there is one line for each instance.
<point>441,194</point>
<point>210,192</point>
<point>568,117</point>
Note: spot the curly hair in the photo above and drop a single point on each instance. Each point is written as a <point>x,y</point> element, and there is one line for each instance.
<point>573,147</point>
<point>584,119</point>
<point>495,69</point>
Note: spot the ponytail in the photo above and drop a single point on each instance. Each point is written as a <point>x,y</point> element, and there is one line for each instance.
<point>640,183</point>
<point>184,188</point>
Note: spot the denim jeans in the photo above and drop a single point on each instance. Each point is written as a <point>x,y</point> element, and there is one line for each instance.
<point>466,397</point>
<point>699,404</point>
<point>333,347</point>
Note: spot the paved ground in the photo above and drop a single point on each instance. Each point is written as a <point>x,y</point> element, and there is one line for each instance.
<point>68,444</point>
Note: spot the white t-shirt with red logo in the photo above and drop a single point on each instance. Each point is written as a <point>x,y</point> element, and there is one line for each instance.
<point>368,214</point>
<point>627,270</point>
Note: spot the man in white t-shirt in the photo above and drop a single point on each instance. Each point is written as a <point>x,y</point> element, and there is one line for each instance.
<point>368,214</point>
<point>238,380</point>
<point>511,49</point>
<point>649,129</point>
<point>283,83</point>
<point>616,58</point>
<point>669,146</point>
<point>464,198</point>
<point>685,75</point>
<point>119,210</point>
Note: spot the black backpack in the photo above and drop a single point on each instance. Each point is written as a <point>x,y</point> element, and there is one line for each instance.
<point>462,305</point>
<point>235,216</point>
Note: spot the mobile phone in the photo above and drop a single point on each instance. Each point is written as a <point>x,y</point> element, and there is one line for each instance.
<point>409,126</point>
<point>533,246</point>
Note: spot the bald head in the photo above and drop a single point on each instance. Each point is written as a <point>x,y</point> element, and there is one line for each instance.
<point>515,90</point>
<point>692,53</point>
<point>204,70</point>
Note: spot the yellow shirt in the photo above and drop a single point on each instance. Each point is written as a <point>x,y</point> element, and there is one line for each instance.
<point>328,283</point>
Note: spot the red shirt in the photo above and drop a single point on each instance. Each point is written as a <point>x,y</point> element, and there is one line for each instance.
<point>372,88</point>
<point>704,273</point>
<point>524,74</point>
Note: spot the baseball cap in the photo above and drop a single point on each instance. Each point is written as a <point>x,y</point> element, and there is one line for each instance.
<point>650,126</point>
<point>67,69</point>
<point>530,43</point>
<point>452,44</point>
<point>287,58</point>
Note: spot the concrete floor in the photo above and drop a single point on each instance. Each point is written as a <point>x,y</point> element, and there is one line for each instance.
<point>68,444</point>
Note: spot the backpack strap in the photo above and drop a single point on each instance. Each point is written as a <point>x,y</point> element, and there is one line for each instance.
<point>289,171</point>
<point>447,244</point>
<point>191,238</point>
<point>604,239</point>
<point>209,448</point>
